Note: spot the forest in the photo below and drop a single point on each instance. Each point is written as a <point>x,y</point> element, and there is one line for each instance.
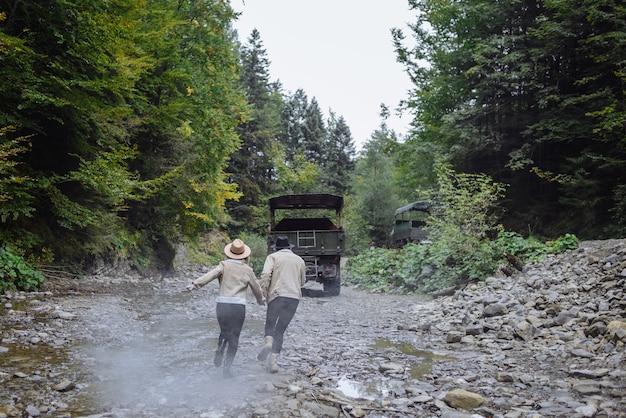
<point>131,127</point>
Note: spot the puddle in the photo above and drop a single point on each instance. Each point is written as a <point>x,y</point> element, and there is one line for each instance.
<point>27,368</point>
<point>426,359</point>
<point>368,390</point>
<point>15,305</point>
<point>380,387</point>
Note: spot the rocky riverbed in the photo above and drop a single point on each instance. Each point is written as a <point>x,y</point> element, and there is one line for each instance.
<point>544,342</point>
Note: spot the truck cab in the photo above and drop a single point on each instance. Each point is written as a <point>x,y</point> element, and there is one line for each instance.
<point>313,224</point>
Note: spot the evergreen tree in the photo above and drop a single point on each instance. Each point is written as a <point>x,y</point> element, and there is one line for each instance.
<point>251,167</point>
<point>294,116</point>
<point>339,155</point>
<point>314,132</point>
<point>304,131</point>
<point>374,197</point>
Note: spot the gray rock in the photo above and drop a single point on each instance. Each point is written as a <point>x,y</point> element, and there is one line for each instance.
<point>391,368</point>
<point>474,330</point>
<point>321,410</point>
<point>32,411</point>
<point>588,410</point>
<point>589,374</point>
<point>495,309</point>
<point>63,315</point>
<point>587,388</point>
<point>463,399</point>
<point>64,385</point>
<point>582,353</point>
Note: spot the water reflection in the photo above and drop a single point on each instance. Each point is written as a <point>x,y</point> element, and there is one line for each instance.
<point>379,386</point>
<point>25,368</point>
<point>368,390</point>
<point>425,359</point>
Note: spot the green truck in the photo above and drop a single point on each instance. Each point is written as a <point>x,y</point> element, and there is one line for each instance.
<point>313,224</point>
<point>409,224</point>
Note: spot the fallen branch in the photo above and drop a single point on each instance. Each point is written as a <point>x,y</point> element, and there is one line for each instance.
<point>514,261</point>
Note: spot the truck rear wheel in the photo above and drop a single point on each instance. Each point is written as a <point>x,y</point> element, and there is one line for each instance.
<point>333,287</point>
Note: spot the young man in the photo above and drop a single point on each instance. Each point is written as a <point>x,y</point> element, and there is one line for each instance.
<point>283,275</point>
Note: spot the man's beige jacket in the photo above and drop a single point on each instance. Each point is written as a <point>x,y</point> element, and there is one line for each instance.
<point>284,274</point>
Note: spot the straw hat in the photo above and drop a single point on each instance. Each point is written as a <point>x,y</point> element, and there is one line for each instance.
<point>237,250</point>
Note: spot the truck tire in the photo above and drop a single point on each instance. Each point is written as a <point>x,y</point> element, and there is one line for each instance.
<point>333,287</point>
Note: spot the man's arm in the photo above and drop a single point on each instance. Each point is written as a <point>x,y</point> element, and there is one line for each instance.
<point>266,274</point>
<point>302,274</point>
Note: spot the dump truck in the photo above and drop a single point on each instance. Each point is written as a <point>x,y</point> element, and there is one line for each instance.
<point>313,224</point>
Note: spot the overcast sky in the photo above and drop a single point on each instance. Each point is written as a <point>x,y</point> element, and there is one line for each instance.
<point>338,51</point>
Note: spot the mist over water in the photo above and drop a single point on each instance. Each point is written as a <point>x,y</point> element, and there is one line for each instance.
<point>155,350</point>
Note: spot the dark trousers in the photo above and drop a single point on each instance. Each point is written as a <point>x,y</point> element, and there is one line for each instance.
<point>280,312</point>
<point>230,317</point>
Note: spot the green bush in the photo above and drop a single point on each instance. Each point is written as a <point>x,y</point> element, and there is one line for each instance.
<point>258,245</point>
<point>461,251</point>
<point>530,249</point>
<point>372,269</point>
<point>419,268</point>
<point>16,273</point>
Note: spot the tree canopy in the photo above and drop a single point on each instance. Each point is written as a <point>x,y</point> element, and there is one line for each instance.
<point>531,93</point>
<point>129,109</point>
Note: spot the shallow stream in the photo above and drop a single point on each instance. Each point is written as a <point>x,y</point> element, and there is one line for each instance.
<point>150,348</point>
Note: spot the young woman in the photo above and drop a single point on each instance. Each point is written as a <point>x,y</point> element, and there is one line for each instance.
<point>234,276</point>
